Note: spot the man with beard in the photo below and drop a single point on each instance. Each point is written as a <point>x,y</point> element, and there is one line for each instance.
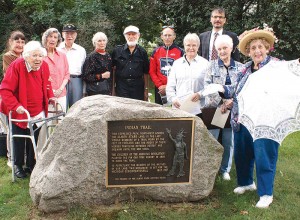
<point>207,47</point>
<point>76,56</point>
<point>131,65</point>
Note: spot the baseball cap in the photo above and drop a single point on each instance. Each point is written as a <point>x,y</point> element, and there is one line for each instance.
<point>131,28</point>
<point>69,27</point>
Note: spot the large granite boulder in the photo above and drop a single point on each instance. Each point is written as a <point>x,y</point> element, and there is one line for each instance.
<point>71,169</point>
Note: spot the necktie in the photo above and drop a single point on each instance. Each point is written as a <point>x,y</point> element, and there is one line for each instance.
<point>214,53</point>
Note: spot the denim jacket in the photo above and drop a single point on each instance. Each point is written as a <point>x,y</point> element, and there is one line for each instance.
<point>217,73</point>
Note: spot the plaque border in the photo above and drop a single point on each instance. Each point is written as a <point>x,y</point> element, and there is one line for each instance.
<point>154,184</point>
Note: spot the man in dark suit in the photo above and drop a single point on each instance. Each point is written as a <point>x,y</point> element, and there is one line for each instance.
<point>207,50</point>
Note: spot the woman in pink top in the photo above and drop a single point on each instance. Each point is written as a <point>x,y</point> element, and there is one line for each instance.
<point>58,65</point>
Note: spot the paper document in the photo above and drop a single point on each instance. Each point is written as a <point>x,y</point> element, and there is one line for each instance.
<point>220,118</point>
<point>186,104</point>
<point>212,89</point>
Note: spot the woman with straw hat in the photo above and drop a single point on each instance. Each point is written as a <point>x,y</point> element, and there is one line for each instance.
<point>256,44</point>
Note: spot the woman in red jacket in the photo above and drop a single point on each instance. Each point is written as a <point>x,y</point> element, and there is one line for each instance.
<point>26,85</point>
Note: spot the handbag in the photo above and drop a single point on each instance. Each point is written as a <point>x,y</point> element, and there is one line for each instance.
<point>100,87</point>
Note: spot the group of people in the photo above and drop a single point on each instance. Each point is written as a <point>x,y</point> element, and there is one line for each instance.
<point>61,72</point>
<point>211,60</point>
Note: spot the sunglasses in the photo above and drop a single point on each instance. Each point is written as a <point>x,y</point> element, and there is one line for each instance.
<point>171,26</point>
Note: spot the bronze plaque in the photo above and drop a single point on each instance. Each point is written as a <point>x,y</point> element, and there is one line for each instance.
<point>149,152</point>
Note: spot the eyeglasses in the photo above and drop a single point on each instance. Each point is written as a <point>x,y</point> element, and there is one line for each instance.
<point>220,17</point>
<point>167,35</point>
<point>171,26</point>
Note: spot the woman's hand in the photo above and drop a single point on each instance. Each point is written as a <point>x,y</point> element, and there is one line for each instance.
<point>57,92</point>
<point>176,104</point>
<point>229,103</point>
<point>53,101</point>
<point>106,75</point>
<point>20,110</point>
<point>195,97</point>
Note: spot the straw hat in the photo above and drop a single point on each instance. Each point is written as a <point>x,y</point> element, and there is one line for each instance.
<point>256,33</point>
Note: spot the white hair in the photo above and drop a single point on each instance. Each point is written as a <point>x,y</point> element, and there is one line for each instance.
<point>32,46</point>
<point>191,37</point>
<point>224,39</point>
<point>47,33</point>
<point>99,36</point>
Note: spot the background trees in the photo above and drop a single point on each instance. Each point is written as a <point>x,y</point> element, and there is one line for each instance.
<point>33,17</point>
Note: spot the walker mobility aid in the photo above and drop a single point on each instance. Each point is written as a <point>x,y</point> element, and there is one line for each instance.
<point>58,114</point>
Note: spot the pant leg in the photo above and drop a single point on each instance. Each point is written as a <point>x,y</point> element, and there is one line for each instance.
<point>243,156</point>
<point>30,155</point>
<point>19,145</point>
<point>122,89</point>
<point>215,133</point>
<point>266,154</point>
<point>137,89</point>
<point>228,150</point>
<point>157,97</point>
<point>75,90</point>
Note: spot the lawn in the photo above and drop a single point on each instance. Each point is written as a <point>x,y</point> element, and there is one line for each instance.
<point>15,202</point>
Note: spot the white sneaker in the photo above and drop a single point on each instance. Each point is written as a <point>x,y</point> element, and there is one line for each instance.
<point>226,176</point>
<point>242,189</point>
<point>264,202</point>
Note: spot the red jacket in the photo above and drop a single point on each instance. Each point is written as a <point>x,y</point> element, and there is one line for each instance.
<point>13,89</point>
<point>161,61</point>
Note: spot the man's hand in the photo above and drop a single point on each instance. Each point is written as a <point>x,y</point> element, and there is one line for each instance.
<point>162,90</point>
<point>20,110</point>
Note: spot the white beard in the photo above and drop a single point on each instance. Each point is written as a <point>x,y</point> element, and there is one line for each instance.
<point>132,44</point>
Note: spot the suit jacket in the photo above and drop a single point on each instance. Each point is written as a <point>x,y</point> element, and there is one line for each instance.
<point>205,40</point>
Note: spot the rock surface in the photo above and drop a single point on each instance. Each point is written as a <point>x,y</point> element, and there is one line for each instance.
<point>71,169</point>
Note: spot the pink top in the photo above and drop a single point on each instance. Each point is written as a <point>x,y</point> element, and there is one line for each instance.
<point>59,70</point>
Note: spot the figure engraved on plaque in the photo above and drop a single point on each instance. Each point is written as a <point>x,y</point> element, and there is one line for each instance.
<point>180,153</point>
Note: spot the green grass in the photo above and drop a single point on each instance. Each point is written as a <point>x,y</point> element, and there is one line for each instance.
<point>15,202</point>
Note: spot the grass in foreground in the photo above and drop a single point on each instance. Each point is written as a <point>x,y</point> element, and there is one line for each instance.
<point>15,202</point>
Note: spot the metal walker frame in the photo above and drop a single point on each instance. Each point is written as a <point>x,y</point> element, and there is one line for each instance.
<point>31,123</point>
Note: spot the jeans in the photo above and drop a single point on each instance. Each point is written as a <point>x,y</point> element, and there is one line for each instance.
<point>227,143</point>
<point>263,152</point>
<point>75,90</point>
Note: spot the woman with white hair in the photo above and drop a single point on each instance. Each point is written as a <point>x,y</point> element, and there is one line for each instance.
<point>26,85</point>
<point>97,68</point>
<point>186,79</point>
<point>58,65</point>
<point>224,71</point>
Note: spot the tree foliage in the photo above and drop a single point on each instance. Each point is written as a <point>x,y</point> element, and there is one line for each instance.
<point>33,17</point>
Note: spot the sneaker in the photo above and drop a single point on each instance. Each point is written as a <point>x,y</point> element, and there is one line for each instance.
<point>226,176</point>
<point>264,202</point>
<point>242,189</point>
